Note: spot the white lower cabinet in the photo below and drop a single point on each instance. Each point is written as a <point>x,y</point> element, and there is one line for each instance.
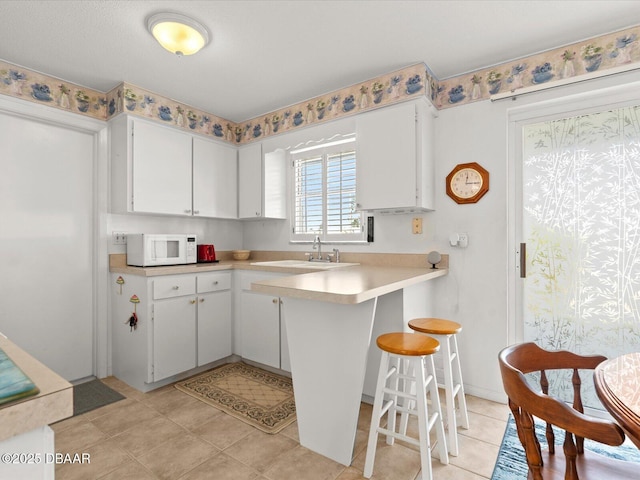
<point>261,328</point>
<point>184,321</point>
<point>214,317</point>
<point>174,336</point>
<point>259,323</point>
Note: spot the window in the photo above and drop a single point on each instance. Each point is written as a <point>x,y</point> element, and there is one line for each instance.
<point>324,186</point>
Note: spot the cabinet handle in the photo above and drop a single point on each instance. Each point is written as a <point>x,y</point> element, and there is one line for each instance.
<point>201,300</point>
<point>192,302</point>
<point>196,212</point>
<point>187,211</point>
<point>275,300</point>
<point>176,287</point>
<point>257,214</point>
<point>215,282</point>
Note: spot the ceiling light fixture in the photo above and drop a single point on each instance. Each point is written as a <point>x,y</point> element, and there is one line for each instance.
<point>178,33</point>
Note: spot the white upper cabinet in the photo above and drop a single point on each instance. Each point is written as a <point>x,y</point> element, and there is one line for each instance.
<point>250,181</point>
<point>395,159</point>
<point>162,170</point>
<point>215,179</point>
<point>261,183</point>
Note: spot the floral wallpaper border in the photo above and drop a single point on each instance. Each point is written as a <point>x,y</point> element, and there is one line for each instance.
<point>39,88</point>
<point>570,61</point>
<point>596,54</point>
<point>398,86</point>
<point>134,100</point>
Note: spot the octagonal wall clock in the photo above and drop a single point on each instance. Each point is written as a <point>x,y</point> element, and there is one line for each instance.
<point>467,183</point>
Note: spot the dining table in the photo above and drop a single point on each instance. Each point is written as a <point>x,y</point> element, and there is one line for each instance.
<point>617,383</point>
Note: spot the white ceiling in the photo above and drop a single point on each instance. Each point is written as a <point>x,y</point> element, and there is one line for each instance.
<point>269,54</point>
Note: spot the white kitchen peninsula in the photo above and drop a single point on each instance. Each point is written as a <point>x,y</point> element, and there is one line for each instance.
<point>330,317</point>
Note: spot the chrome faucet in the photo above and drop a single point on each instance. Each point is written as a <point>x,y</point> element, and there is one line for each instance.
<point>317,244</point>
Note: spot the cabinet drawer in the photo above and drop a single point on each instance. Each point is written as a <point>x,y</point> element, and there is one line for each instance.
<point>214,282</point>
<point>176,286</point>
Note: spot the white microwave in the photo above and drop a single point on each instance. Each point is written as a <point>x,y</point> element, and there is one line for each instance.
<point>150,250</point>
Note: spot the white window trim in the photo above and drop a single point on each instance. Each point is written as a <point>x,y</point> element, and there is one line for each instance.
<point>335,144</point>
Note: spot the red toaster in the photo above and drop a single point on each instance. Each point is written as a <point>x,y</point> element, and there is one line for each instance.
<point>206,253</point>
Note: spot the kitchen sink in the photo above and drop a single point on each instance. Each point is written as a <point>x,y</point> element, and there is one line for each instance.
<point>303,264</point>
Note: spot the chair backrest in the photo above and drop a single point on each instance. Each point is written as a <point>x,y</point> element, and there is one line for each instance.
<point>526,402</point>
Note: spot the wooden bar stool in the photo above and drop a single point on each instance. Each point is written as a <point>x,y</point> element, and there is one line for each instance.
<point>445,332</point>
<point>406,374</point>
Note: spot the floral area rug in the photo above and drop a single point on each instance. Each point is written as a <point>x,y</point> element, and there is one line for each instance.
<point>512,463</point>
<point>259,398</point>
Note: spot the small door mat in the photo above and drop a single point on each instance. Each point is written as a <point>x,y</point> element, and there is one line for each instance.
<point>91,395</point>
<point>261,399</point>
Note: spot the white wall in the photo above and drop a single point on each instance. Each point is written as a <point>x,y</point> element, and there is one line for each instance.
<point>224,234</point>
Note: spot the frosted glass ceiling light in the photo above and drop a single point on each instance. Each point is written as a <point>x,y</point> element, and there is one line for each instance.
<point>177,33</point>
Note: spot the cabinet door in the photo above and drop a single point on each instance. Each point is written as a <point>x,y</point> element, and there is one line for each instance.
<point>285,359</point>
<point>260,328</point>
<point>250,181</point>
<point>161,176</point>
<point>215,179</point>
<point>174,336</point>
<point>214,326</point>
<point>386,158</point>
<point>274,185</point>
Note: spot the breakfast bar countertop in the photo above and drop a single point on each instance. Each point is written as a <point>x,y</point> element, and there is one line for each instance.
<point>349,285</point>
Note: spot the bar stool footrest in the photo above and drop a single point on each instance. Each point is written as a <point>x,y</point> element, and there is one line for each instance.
<point>399,436</point>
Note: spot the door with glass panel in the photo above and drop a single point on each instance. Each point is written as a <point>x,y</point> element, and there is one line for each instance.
<point>580,196</point>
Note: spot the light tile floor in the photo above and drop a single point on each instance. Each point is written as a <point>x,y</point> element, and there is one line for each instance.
<point>169,435</point>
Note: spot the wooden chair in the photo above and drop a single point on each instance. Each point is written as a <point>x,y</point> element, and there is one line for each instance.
<point>525,402</point>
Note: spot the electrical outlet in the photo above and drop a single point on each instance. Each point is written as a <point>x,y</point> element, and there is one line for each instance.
<point>463,240</point>
<point>119,238</point>
<point>417,225</point>
<point>459,240</point>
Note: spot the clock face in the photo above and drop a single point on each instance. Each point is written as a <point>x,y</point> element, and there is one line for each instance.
<point>466,183</point>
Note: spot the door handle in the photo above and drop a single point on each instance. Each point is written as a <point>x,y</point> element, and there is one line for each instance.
<point>523,260</point>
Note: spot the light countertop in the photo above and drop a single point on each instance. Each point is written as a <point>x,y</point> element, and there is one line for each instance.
<point>118,263</point>
<point>349,285</point>
<point>376,274</point>
<point>53,403</point>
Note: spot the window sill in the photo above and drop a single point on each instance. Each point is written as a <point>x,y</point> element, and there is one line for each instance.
<point>337,242</point>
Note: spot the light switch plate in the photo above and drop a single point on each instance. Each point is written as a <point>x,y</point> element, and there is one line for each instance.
<point>417,225</point>
<point>119,238</point>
